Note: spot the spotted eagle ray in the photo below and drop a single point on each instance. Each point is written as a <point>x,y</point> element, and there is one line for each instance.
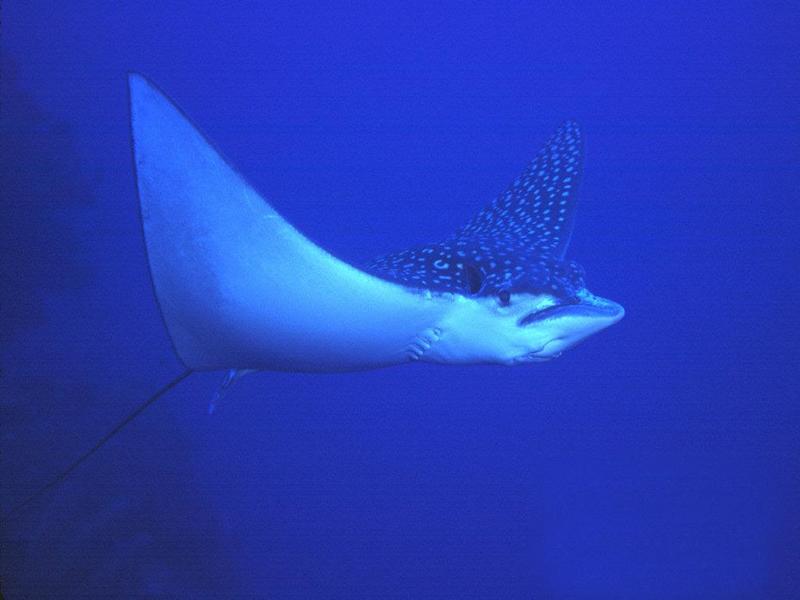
<point>240,289</point>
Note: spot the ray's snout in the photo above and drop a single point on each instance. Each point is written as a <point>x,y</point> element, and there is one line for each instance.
<point>602,312</point>
<point>566,325</point>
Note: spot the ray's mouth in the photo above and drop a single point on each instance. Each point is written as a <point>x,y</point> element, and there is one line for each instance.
<point>545,313</point>
<point>577,308</point>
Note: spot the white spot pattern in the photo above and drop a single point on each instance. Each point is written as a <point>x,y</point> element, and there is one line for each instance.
<point>544,194</point>
<point>516,243</point>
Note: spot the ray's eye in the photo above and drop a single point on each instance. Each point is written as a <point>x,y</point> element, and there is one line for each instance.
<point>504,297</point>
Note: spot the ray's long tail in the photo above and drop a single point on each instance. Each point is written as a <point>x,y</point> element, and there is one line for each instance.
<point>61,476</point>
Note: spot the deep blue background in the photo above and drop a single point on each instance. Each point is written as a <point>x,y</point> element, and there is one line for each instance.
<point>660,459</point>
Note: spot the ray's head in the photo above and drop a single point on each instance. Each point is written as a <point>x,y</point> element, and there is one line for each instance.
<point>548,324</point>
<point>544,303</point>
<point>518,298</point>
<point>516,327</point>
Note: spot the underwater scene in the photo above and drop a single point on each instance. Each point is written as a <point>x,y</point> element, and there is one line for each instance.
<point>399,300</point>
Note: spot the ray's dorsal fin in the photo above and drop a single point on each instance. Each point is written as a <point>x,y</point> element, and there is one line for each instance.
<point>536,211</point>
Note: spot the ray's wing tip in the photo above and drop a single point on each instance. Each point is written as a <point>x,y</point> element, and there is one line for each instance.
<point>142,89</point>
<point>569,135</point>
<point>137,81</point>
<point>570,127</point>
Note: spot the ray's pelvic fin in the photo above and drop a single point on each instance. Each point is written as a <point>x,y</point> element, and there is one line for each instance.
<point>231,377</point>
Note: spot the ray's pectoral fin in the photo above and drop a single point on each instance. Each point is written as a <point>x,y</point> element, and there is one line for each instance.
<point>238,286</point>
<point>523,233</point>
<point>536,212</point>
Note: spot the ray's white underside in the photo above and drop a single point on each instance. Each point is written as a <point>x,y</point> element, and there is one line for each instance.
<point>238,286</point>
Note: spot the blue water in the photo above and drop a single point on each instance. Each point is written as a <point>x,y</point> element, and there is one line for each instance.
<point>659,459</point>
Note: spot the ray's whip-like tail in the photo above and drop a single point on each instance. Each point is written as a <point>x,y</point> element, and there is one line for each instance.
<point>61,476</point>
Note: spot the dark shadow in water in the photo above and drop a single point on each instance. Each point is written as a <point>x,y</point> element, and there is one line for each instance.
<point>42,193</point>
<point>119,526</point>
